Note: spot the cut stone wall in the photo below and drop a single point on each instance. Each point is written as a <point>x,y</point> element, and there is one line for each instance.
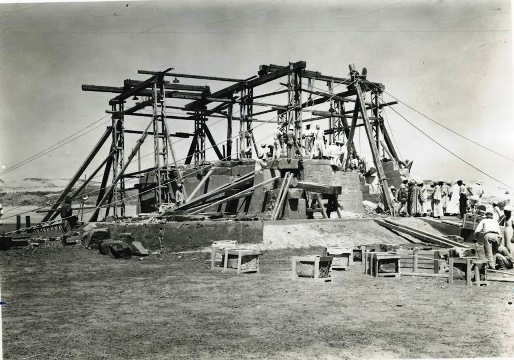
<point>189,235</point>
<point>321,172</point>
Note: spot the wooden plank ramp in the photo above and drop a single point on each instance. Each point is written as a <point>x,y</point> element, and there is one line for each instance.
<point>419,234</point>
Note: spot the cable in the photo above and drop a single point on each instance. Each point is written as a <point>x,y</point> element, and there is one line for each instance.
<point>53,147</point>
<point>174,180</point>
<point>263,123</point>
<point>391,131</point>
<point>447,128</point>
<point>457,156</point>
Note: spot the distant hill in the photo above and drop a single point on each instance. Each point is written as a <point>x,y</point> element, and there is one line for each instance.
<point>36,191</point>
<point>44,192</point>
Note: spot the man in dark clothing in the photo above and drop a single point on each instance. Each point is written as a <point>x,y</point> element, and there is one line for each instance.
<point>463,198</point>
<point>66,215</point>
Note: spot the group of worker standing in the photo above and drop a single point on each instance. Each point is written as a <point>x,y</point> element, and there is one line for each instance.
<point>313,144</point>
<point>437,198</point>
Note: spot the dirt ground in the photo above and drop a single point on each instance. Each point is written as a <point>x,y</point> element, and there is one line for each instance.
<point>74,303</point>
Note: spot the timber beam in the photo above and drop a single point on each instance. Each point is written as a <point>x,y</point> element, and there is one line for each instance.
<point>228,91</point>
<point>147,72</point>
<point>171,86</point>
<point>319,76</point>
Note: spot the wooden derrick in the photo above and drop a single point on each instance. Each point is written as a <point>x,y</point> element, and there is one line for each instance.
<point>151,97</point>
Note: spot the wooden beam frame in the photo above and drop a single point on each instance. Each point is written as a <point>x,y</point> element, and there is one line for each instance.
<point>373,146</point>
<point>213,143</point>
<point>78,174</point>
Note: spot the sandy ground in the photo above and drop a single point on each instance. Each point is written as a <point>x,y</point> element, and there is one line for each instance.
<point>300,234</point>
<point>74,303</point>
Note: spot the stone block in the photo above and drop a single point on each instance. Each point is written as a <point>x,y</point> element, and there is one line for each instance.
<point>119,250</point>
<point>95,237</point>
<point>138,249</point>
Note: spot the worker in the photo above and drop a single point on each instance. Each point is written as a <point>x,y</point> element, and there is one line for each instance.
<point>403,197</point>
<point>264,154</point>
<point>354,163</point>
<point>318,150</point>
<point>437,206</point>
<point>473,202</point>
<point>66,218</point>
<point>425,198</point>
<point>463,198</point>
<point>508,228</point>
<point>290,142</point>
<point>342,154</point>
<point>497,213</point>
<point>478,191</point>
<point>414,202</point>
<point>504,258</point>
<point>1,213</point>
<point>453,204</point>
<point>308,136</point>
<point>179,195</point>
<point>333,154</point>
<point>277,142</point>
<point>394,199</point>
<point>445,195</point>
<point>491,233</point>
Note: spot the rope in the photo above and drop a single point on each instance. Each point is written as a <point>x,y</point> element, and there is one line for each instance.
<point>447,128</point>
<point>451,152</point>
<point>174,180</point>
<point>54,146</point>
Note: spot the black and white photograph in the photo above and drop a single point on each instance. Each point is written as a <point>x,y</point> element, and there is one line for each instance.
<point>261,179</point>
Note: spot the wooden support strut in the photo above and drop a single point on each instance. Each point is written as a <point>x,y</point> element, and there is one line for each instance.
<point>200,184</point>
<point>278,209</point>
<point>374,150</point>
<point>79,173</point>
<point>191,150</point>
<point>235,195</point>
<point>217,191</point>
<point>120,174</point>
<point>349,144</point>
<point>213,143</point>
<point>103,186</point>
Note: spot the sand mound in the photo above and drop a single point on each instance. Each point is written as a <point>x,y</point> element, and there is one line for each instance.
<point>289,234</point>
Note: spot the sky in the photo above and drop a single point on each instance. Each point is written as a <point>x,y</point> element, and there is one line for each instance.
<point>449,60</point>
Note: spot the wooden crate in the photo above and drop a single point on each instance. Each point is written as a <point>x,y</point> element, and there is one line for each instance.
<point>471,265</point>
<point>218,249</point>
<point>342,256</point>
<point>315,267</point>
<point>243,260</point>
<point>377,264</point>
<point>421,261</point>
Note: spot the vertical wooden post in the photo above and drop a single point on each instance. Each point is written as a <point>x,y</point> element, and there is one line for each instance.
<point>103,186</point>
<point>450,272</point>
<point>436,262</point>
<point>27,221</point>
<point>377,121</point>
<point>239,261</point>
<point>18,222</point>
<point>349,144</point>
<point>468,271</point>
<point>415,261</point>
<point>229,132</point>
<point>213,255</point>
<point>316,268</point>
<point>374,150</point>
